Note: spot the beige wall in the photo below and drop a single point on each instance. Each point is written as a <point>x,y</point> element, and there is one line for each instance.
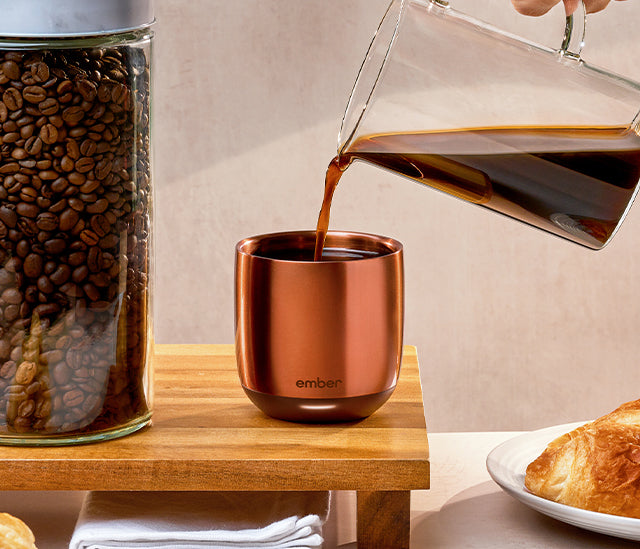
<point>515,329</point>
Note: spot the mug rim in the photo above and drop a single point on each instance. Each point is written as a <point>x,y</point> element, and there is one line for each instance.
<point>383,246</point>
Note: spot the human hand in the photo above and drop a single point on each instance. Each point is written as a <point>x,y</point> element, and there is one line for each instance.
<point>540,7</point>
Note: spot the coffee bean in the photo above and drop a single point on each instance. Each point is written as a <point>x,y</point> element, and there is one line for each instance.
<point>11,70</point>
<point>55,246</point>
<point>88,147</point>
<point>89,237</point>
<point>76,178</point>
<point>76,203</point>
<point>12,99</point>
<point>61,274</point>
<point>40,71</point>
<point>76,258</point>
<point>98,207</point>
<point>59,185</point>
<point>100,225</point>
<point>49,106</point>
<point>49,134</point>
<point>11,295</point>
<point>34,94</point>
<point>47,221</point>
<point>46,309</point>
<point>8,216</point>
<point>73,149</point>
<point>22,249</point>
<point>26,408</point>
<point>68,219</point>
<point>33,265</point>
<point>8,369</point>
<point>33,145</point>
<point>72,115</point>
<point>27,210</point>
<point>87,89</point>
<point>28,194</point>
<point>85,164</point>
<point>73,398</point>
<point>26,372</point>
<point>109,241</point>
<point>45,285</point>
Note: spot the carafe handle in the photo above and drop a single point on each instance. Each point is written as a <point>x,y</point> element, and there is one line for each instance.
<point>574,31</point>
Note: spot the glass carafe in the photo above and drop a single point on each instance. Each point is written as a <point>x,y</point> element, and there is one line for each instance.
<point>525,130</point>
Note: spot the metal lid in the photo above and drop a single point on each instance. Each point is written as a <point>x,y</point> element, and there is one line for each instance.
<point>61,18</point>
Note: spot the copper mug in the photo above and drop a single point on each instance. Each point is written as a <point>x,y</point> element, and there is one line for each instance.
<point>319,341</point>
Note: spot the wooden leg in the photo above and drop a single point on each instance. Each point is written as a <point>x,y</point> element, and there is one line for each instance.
<point>383,520</point>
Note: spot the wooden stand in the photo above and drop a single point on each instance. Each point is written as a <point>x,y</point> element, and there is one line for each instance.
<point>206,435</point>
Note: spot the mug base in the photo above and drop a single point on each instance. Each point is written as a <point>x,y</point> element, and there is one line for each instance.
<point>318,410</point>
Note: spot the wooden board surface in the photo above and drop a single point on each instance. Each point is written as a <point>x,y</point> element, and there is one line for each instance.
<point>207,435</point>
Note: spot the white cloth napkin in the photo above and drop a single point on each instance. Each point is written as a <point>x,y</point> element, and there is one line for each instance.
<point>194,520</point>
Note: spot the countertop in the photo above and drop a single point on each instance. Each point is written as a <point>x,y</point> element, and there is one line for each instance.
<point>463,508</point>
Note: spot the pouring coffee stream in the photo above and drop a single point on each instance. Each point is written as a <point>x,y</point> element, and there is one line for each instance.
<point>561,153</point>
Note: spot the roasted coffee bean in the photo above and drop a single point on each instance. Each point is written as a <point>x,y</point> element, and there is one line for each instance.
<point>49,134</point>
<point>76,178</point>
<point>47,221</point>
<point>33,265</point>
<point>12,98</point>
<point>40,71</point>
<point>45,285</point>
<point>8,216</point>
<point>26,408</point>
<point>88,147</point>
<point>85,164</point>
<point>33,145</point>
<point>77,258</point>
<point>26,209</point>
<point>46,309</point>
<point>68,219</point>
<point>29,194</point>
<point>26,372</point>
<point>48,175</point>
<point>8,369</point>
<point>11,295</point>
<point>98,207</point>
<point>89,186</point>
<point>61,274</point>
<point>11,70</point>
<point>49,106</point>
<point>72,398</point>
<point>55,246</point>
<point>100,225</point>
<point>34,94</point>
<point>72,115</point>
<point>59,186</point>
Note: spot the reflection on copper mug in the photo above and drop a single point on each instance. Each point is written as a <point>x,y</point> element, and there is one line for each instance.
<point>319,341</point>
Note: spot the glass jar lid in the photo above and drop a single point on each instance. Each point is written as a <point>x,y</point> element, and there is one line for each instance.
<point>63,18</point>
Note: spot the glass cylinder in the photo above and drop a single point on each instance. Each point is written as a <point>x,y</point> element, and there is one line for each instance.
<point>75,220</point>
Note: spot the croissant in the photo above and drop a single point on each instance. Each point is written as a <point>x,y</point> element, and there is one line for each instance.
<point>15,534</point>
<point>594,467</point>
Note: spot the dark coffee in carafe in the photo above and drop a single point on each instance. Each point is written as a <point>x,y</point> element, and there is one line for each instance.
<point>574,182</point>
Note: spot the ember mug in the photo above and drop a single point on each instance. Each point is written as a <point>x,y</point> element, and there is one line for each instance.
<point>319,341</point>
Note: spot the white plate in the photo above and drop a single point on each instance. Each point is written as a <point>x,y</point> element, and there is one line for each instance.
<point>508,462</point>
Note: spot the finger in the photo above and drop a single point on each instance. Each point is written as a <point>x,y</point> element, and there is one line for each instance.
<point>595,5</point>
<point>534,7</point>
<point>571,5</point>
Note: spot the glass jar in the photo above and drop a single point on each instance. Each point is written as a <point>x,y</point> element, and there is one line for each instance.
<point>75,220</point>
